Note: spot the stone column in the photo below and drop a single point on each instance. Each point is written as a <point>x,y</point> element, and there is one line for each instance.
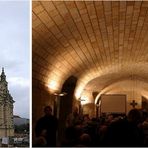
<point>5,119</point>
<point>1,120</point>
<point>11,120</point>
<point>1,114</point>
<point>8,119</point>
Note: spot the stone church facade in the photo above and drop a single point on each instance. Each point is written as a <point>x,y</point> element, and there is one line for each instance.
<point>6,108</point>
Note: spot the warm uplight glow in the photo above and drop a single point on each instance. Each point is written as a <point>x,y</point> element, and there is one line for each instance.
<point>84,80</point>
<point>63,94</point>
<point>78,92</point>
<point>146,96</point>
<point>86,99</point>
<point>60,94</point>
<point>53,85</point>
<point>83,98</point>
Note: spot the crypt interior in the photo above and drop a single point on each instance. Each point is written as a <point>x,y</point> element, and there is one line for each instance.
<point>89,54</point>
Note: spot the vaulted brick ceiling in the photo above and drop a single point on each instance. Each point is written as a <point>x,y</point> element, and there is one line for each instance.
<point>98,42</point>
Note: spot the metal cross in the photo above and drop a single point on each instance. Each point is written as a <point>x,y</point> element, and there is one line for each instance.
<point>133,103</point>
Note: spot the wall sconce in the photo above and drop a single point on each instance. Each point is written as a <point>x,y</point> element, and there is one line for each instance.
<point>57,102</point>
<point>60,94</point>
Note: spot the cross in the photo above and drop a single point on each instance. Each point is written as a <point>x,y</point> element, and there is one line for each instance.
<point>133,103</point>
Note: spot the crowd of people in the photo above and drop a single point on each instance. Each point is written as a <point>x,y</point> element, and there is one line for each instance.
<point>107,130</point>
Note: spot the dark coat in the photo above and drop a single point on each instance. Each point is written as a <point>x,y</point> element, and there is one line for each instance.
<point>48,123</point>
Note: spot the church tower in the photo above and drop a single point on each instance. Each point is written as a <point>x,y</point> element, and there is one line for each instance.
<point>6,108</point>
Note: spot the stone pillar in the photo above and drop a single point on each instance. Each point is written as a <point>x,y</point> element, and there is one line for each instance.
<point>8,124</point>
<point>11,116</point>
<point>1,114</point>
<point>5,119</point>
<point>12,121</point>
<point>1,120</point>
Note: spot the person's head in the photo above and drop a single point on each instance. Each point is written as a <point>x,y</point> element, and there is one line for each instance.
<point>144,115</point>
<point>85,139</point>
<point>134,116</point>
<point>43,133</point>
<point>86,117</point>
<point>109,118</point>
<point>48,110</point>
<point>41,142</point>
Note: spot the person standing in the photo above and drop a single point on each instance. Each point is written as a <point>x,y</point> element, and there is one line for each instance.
<point>48,125</point>
<point>73,118</point>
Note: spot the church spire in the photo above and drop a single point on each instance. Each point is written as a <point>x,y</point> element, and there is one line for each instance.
<point>3,76</point>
